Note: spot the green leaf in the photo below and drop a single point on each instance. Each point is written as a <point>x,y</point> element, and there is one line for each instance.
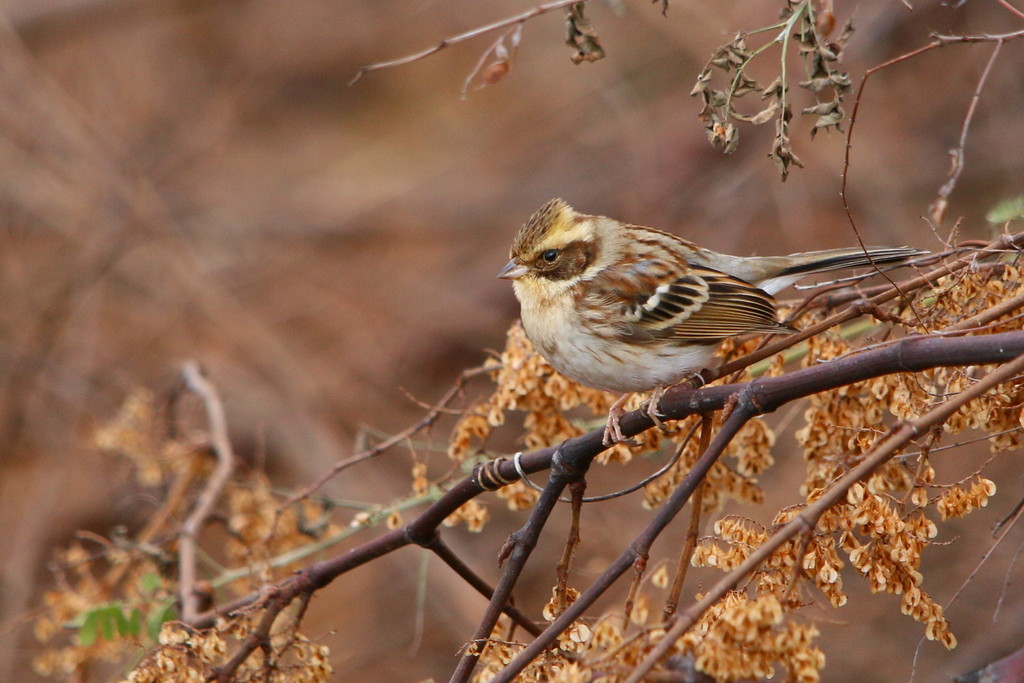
<point>1007,210</point>
<point>134,625</point>
<point>150,582</point>
<point>87,632</point>
<point>106,620</point>
<point>157,619</point>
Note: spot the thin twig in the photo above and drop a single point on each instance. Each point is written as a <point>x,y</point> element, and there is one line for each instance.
<point>197,382</point>
<point>999,244</point>
<point>937,42</point>
<point>572,542</point>
<point>1010,7</point>
<point>425,422</point>
<point>479,31</point>
<point>259,637</point>
<point>938,207</point>
<point>692,531</point>
<point>441,550</point>
<point>988,315</point>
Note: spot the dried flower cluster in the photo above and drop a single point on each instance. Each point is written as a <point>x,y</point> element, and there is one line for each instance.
<point>739,638</point>
<point>188,656</point>
<point>120,594</point>
<point>812,30</point>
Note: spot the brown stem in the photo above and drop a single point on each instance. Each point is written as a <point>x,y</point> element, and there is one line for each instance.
<point>577,488</point>
<point>692,531</point>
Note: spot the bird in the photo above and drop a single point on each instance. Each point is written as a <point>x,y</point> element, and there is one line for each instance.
<point>626,308</point>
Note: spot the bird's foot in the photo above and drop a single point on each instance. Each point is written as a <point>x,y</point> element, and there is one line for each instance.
<point>612,428</point>
<point>651,409</point>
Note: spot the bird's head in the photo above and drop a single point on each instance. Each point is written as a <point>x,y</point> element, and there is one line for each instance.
<point>556,244</point>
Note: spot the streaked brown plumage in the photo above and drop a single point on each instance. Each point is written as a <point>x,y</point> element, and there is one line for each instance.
<point>627,308</point>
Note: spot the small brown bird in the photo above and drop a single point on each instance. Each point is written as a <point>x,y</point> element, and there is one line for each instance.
<point>625,308</point>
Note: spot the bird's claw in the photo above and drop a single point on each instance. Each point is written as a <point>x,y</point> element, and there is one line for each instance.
<point>650,408</point>
<point>612,429</point>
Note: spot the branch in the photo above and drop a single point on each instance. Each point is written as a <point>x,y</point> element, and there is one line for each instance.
<point>479,31</point>
<point>938,207</point>
<point>937,42</point>
<point>908,355</point>
<point>638,549</point>
<point>425,422</point>
<point>1000,244</point>
<point>196,381</point>
<point>808,518</point>
<point>517,550</point>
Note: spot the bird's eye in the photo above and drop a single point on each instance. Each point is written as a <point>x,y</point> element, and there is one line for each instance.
<point>551,255</point>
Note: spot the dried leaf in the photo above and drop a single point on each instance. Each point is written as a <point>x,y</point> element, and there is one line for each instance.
<point>496,62</point>
<point>724,135</point>
<point>581,36</point>
<point>761,117</point>
<point>702,82</point>
<point>745,85</point>
<point>774,89</point>
<point>830,115</point>
<point>782,151</point>
<point>816,84</point>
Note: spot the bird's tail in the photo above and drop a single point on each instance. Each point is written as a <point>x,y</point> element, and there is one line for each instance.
<point>836,259</point>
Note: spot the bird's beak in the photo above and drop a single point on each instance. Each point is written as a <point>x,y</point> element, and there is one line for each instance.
<point>512,270</point>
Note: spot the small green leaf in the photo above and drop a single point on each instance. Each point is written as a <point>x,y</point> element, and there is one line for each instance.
<point>133,626</point>
<point>150,582</point>
<point>87,632</point>
<point>157,619</point>
<point>1007,210</point>
<point>106,620</point>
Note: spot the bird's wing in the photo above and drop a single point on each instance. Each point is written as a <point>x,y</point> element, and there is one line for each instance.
<point>699,305</point>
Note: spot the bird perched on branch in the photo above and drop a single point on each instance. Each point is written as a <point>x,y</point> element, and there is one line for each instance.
<point>625,308</point>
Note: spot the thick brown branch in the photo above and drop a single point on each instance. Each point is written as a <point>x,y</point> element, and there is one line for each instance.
<point>638,549</point>
<point>517,551</point>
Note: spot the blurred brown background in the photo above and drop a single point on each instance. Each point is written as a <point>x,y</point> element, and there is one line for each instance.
<point>195,179</point>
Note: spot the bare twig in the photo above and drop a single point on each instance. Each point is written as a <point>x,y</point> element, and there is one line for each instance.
<point>938,207</point>
<point>425,422</point>
<point>479,31</point>
<point>936,42</point>
<point>572,541</point>
<point>1014,10</point>
<point>988,315</point>
<point>855,310</point>
<point>197,382</point>
<point>259,637</point>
